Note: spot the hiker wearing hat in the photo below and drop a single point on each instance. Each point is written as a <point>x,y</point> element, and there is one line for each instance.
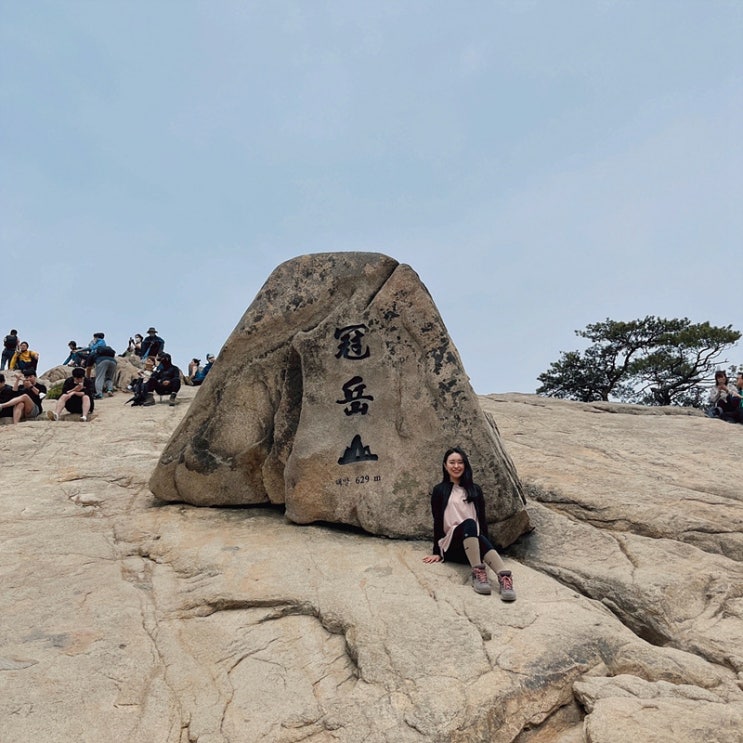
<point>201,371</point>
<point>152,345</point>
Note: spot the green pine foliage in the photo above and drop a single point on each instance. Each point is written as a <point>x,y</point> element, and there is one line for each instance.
<point>653,361</point>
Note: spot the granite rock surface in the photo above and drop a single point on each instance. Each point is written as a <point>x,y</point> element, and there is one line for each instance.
<point>130,619</point>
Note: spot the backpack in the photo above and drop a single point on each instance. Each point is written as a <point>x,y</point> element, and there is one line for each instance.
<point>11,342</point>
<point>106,351</point>
<point>139,390</point>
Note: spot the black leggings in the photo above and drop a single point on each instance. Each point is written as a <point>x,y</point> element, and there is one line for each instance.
<point>466,529</point>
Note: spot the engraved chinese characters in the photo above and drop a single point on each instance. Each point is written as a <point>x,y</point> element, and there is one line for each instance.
<point>336,395</point>
<point>352,348</point>
<point>351,342</point>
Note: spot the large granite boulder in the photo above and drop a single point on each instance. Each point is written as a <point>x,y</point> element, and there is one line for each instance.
<point>126,370</point>
<point>337,394</point>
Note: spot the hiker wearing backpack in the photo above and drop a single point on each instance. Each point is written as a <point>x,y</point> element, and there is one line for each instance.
<point>92,352</point>
<point>10,344</point>
<point>105,371</point>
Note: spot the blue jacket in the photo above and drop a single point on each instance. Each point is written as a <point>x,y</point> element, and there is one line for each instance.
<point>199,376</point>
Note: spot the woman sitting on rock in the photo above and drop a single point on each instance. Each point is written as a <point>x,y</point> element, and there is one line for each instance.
<point>460,530</point>
<point>725,399</point>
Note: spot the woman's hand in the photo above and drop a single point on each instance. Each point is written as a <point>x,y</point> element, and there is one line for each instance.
<point>431,558</point>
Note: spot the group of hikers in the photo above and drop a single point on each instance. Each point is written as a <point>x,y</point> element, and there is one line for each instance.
<point>16,354</point>
<point>95,369</point>
<point>94,374</point>
<point>726,397</point>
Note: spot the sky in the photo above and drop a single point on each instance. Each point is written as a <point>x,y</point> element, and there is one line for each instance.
<point>541,165</point>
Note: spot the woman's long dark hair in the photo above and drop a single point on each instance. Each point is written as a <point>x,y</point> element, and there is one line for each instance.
<point>466,480</point>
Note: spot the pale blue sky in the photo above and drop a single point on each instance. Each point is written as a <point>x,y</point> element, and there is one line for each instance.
<point>542,165</point>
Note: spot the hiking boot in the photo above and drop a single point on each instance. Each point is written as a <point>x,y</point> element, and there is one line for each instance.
<point>172,399</point>
<point>149,400</point>
<point>505,582</point>
<point>480,579</point>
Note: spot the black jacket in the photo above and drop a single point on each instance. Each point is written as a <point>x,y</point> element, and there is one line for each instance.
<point>439,499</point>
<point>166,374</point>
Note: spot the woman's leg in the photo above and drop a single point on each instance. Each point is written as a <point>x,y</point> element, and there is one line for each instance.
<point>477,549</point>
<point>466,535</point>
<point>492,559</point>
<point>457,551</point>
<point>505,582</point>
<point>471,542</point>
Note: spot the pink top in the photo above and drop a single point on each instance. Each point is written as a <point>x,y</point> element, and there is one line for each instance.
<point>457,511</point>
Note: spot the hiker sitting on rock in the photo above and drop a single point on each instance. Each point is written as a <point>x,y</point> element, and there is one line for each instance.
<point>165,380</point>
<point>6,393</point>
<point>725,400</point>
<point>134,348</point>
<point>138,384</point>
<point>76,356</point>
<point>460,530</point>
<point>77,396</point>
<point>24,358</point>
<point>197,373</point>
<point>152,345</point>
<point>26,404</point>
